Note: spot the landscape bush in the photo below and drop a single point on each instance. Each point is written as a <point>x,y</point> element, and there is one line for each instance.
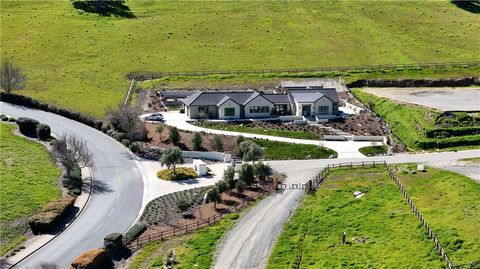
<point>12,119</point>
<point>135,231</point>
<point>113,242</point>
<point>3,117</point>
<point>51,215</point>
<point>92,259</point>
<point>43,132</point>
<point>28,126</point>
<point>126,142</point>
<point>453,131</point>
<point>182,173</point>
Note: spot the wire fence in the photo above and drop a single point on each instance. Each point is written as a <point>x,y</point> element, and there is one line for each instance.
<point>321,177</point>
<point>153,75</point>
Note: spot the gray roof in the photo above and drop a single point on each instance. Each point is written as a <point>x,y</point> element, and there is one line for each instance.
<point>331,93</point>
<point>224,99</point>
<point>306,97</point>
<point>214,98</point>
<point>277,98</point>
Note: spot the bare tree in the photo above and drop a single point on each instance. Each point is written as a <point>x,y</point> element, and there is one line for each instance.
<point>71,151</point>
<point>126,118</point>
<point>11,77</point>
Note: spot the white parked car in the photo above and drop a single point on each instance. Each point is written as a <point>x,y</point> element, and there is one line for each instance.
<point>154,117</point>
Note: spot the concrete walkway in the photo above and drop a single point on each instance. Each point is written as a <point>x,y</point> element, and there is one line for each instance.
<point>345,149</point>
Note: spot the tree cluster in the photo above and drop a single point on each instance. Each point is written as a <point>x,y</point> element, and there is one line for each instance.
<point>126,118</point>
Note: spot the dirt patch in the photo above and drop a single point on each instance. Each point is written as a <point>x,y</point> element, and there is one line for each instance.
<point>162,141</point>
<point>149,101</point>
<point>365,123</point>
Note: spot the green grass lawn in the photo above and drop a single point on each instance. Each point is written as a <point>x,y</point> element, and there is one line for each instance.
<point>29,180</point>
<point>254,130</point>
<point>79,60</point>
<point>450,203</point>
<point>193,250</point>
<point>373,150</point>
<point>394,238</point>
<point>282,151</point>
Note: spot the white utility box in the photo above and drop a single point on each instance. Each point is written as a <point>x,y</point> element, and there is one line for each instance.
<point>200,167</point>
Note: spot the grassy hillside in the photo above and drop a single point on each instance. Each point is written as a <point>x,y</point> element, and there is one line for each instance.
<point>381,230</point>
<point>451,205</point>
<point>78,60</point>
<point>29,180</point>
<point>420,127</point>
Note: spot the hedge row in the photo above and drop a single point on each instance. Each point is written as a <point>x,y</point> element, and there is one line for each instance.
<point>135,231</point>
<point>26,101</point>
<point>472,140</point>
<point>51,215</point>
<point>454,131</point>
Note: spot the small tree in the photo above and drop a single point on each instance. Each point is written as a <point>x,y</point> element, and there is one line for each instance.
<point>126,118</point>
<point>197,141</point>
<point>214,196</point>
<point>174,136</point>
<point>171,157</point>
<point>240,186</point>
<point>160,131</point>
<point>262,170</point>
<point>222,186</point>
<point>71,151</point>
<point>229,177</point>
<point>247,174</point>
<point>11,77</point>
<point>217,143</point>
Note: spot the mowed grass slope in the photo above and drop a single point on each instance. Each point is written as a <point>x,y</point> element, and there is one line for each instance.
<point>29,180</point>
<point>450,203</point>
<point>79,60</point>
<point>393,237</point>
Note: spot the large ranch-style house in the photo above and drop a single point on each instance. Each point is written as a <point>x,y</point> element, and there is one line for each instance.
<point>301,101</point>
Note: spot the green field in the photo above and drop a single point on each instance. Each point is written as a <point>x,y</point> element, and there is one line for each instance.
<point>79,60</point>
<point>283,151</point>
<point>450,203</point>
<point>420,127</point>
<point>393,237</point>
<point>255,130</point>
<point>193,251</point>
<point>29,180</point>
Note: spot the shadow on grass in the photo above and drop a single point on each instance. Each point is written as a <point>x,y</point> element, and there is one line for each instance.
<point>105,8</point>
<point>470,6</point>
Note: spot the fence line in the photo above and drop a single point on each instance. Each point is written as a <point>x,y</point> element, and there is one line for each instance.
<point>320,178</point>
<point>129,91</point>
<point>152,75</point>
<point>184,229</point>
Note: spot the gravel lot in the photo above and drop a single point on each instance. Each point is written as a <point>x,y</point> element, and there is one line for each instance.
<point>445,99</point>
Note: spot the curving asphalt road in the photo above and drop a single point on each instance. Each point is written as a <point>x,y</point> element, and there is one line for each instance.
<point>249,243</point>
<point>116,199</point>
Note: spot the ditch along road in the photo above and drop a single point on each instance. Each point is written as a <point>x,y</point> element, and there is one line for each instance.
<point>116,196</point>
<point>250,242</point>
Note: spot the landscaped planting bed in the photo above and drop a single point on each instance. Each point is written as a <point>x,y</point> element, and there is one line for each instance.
<point>365,123</point>
<point>275,128</point>
<point>157,209</point>
<point>181,173</point>
<point>381,231</point>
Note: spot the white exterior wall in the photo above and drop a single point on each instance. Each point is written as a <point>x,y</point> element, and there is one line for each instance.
<point>194,114</point>
<point>324,101</point>
<point>299,110</point>
<point>229,103</point>
<point>258,101</point>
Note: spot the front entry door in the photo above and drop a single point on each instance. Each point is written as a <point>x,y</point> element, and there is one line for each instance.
<point>306,111</point>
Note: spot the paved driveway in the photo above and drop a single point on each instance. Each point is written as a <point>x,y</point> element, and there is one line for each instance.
<point>345,149</point>
<point>444,99</point>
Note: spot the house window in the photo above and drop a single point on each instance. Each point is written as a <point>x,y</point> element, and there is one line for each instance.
<point>323,110</point>
<point>259,109</point>
<point>229,111</point>
<point>203,109</point>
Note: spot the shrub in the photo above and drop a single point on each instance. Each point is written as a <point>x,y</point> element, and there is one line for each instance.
<point>126,142</point>
<point>43,132</point>
<point>51,215</point>
<point>247,174</point>
<point>197,141</point>
<point>217,143</point>
<point>3,117</point>
<point>12,119</point>
<point>182,110</point>
<point>76,173</point>
<point>95,258</point>
<point>135,231</point>
<point>113,242</point>
<point>174,136</point>
<point>27,126</point>
<point>182,173</point>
